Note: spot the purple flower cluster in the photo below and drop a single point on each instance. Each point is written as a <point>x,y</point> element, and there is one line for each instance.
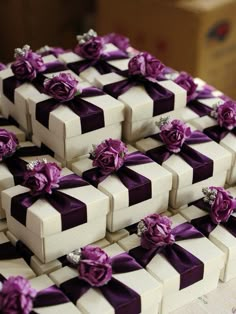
<point>94,266</point>
<point>41,177</point>
<point>186,81</point>
<point>90,49</point>
<point>118,40</point>
<point>156,232</point>
<point>8,143</point>
<point>146,66</point>
<point>109,156</point>
<point>226,115</point>
<point>27,64</point>
<point>174,133</point>
<point>62,87</point>
<point>16,296</point>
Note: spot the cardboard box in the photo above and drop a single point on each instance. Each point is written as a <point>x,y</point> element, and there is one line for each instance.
<point>198,36</point>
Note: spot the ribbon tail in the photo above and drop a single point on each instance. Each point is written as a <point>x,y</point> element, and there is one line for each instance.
<point>159,154</point>
<point>124,263</point>
<point>186,231</point>
<point>122,298</point>
<point>71,181</point>
<point>118,88</point>
<point>204,224</point>
<point>143,256</point>
<point>80,66</point>
<point>216,133</point>
<point>74,288</point>
<point>17,167</point>
<point>49,297</point>
<point>94,176</point>
<point>136,158</point>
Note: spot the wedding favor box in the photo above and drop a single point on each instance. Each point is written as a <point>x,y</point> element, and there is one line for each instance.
<point>50,233</point>
<point>184,189</point>
<point>11,263</point>
<point>124,209</point>
<point>93,301</point>
<point>12,174</point>
<point>228,142</point>
<point>3,225</point>
<point>140,112</point>
<point>173,296</point>
<point>50,303</point>
<point>220,236</point>
<point>91,72</point>
<point>9,126</point>
<point>71,135</point>
<point>114,237</point>
<point>44,268</point>
<point>15,101</point>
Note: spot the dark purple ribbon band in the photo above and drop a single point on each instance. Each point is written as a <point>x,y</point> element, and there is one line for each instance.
<point>17,166</point>
<point>195,104</point>
<point>190,268</point>
<point>91,116</point>
<point>139,187</point>
<point>101,64</point>
<point>11,82</point>
<point>8,251</point>
<point>8,121</point>
<point>218,133</point>
<point>122,298</point>
<point>205,225</point>
<point>163,99</point>
<point>73,211</point>
<point>24,251</point>
<point>201,164</point>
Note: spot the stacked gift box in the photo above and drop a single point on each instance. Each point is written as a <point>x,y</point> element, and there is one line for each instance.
<point>113,169</point>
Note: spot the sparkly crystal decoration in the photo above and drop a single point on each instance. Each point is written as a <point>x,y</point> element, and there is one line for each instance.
<point>74,257</point>
<point>141,227</point>
<point>163,121</point>
<point>214,113</point>
<point>32,164</point>
<point>210,195</point>
<point>86,36</point>
<point>20,52</point>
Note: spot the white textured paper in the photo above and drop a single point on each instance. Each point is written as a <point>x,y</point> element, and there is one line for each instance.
<point>94,302</point>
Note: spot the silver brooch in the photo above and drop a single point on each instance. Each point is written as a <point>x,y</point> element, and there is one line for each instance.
<point>214,113</point>
<point>86,36</point>
<point>209,195</point>
<point>163,121</point>
<point>20,52</point>
<point>74,257</point>
<point>32,164</point>
<point>141,228</point>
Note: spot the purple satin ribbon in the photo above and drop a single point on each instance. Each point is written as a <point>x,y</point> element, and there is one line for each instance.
<point>91,116</point>
<point>8,121</point>
<point>195,104</point>
<point>205,225</point>
<point>218,133</point>
<point>201,164</point>
<point>101,64</point>
<point>8,251</point>
<point>17,166</point>
<point>11,82</point>
<point>73,211</point>
<point>139,187</point>
<point>163,99</point>
<point>122,298</point>
<point>24,251</point>
<point>190,268</point>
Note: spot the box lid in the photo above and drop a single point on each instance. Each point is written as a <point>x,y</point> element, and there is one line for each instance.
<point>44,220</point>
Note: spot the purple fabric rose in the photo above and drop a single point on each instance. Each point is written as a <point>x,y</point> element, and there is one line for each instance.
<point>223,205</point>
<point>186,81</point>
<point>2,66</point>
<point>226,115</point>
<point>109,156</point>
<point>90,49</point>
<point>27,64</point>
<point>156,231</point>
<point>41,177</point>
<point>16,296</point>
<point>118,40</point>
<point>94,253</point>
<point>146,66</point>
<point>174,134</point>
<point>8,143</point>
<point>94,266</point>
<point>62,87</point>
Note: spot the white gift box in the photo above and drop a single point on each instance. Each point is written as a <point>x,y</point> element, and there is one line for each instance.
<point>93,300</point>
<point>3,225</point>
<point>90,74</point>
<point>222,238</point>
<point>7,179</point>
<point>43,233</point>
<point>183,191</point>
<point>45,268</point>
<point>14,129</point>
<point>121,214</point>
<point>163,271</point>
<point>43,282</point>
<point>64,133</point>
<point>13,267</point>
<point>228,142</point>
<point>19,110</point>
<point>114,237</point>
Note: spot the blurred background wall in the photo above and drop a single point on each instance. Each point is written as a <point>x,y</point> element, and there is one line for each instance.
<point>198,36</point>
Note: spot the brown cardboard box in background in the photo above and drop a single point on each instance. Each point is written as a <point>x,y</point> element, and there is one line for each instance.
<point>198,36</point>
